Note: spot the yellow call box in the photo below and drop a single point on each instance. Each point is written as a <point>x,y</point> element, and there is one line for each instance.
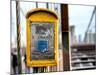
<point>42,38</point>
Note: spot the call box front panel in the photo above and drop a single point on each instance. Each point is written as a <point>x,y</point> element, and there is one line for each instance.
<point>42,41</point>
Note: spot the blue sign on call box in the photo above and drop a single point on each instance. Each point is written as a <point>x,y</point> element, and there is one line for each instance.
<point>42,45</point>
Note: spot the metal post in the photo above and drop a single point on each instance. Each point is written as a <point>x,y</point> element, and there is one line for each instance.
<point>18,36</point>
<point>65,35</point>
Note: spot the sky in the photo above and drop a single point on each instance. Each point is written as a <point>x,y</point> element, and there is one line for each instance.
<point>79,16</point>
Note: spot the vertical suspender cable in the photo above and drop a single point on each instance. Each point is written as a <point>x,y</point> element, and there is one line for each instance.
<point>47,5</point>
<point>18,36</point>
<point>36,4</point>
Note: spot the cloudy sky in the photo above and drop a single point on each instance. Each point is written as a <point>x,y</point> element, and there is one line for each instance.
<point>79,15</point>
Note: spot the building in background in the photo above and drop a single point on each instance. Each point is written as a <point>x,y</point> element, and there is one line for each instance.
<point>90,38</point>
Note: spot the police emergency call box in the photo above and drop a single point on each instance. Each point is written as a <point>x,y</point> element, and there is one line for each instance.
<point>42,38</point>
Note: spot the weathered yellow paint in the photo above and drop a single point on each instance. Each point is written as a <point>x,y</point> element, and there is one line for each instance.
<point>41,15</point>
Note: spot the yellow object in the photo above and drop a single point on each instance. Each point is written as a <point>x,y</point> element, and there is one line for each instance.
<point>41,15</point>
